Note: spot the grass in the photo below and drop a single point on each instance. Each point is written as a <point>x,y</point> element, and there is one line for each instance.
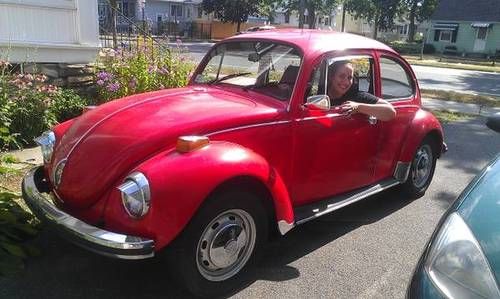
<point>434,60</point>
<point>445,116</point>
<point>488,101</point>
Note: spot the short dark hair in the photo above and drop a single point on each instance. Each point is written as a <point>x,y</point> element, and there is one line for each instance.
<point>334,67</point>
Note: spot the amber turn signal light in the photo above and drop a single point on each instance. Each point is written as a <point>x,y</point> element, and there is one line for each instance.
<point>186,144</point>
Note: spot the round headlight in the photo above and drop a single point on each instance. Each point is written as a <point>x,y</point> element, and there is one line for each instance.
<point>135,195</point>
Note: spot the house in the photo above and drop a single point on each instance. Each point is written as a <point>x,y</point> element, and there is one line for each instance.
<point>60,31</point>
<point>157,14</point>
<point>466,27</point>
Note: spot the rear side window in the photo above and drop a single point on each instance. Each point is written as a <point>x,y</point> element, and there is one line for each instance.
<point>396,81</point>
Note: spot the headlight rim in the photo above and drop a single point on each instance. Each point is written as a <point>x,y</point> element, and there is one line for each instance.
<point>142,183</point>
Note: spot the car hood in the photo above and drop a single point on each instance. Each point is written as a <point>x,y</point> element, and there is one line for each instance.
<point>104,144</point>
<point>480,209</point>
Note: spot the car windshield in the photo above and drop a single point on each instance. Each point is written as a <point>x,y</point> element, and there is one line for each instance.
<point>264,67</point>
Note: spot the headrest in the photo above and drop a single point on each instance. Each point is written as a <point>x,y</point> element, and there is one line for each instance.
<point>290,74</point>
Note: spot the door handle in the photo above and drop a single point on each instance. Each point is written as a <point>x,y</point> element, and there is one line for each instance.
<point>372,120</point>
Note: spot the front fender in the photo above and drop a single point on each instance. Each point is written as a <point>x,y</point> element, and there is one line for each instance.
<point>423,124</point>
<point>180,182</point>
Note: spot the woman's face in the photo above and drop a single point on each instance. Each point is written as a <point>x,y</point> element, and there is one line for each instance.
<point>341,80</point>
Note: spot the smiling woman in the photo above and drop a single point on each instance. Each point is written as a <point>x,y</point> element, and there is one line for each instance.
<point>265,67</point>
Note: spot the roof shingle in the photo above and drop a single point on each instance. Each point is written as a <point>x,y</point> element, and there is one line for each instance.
<point>468,10</point>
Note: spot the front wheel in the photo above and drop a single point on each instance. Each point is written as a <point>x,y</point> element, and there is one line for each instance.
<point>220,244</point>
<point>422,170</point>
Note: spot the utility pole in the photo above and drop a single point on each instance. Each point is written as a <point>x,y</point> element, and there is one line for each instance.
<point>301,13</point>
<point>343,17</point>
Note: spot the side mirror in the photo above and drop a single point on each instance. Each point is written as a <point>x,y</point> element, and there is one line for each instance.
<point>493,122</point>
<point>318,102</point>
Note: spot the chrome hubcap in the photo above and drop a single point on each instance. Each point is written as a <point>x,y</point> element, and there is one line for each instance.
<point>422,166</point>
<point>226,245</point>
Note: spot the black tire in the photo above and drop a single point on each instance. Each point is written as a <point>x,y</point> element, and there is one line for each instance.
<point>222,218</point>
<point>422,169</point>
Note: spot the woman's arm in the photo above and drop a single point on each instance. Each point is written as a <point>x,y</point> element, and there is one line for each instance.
<point>382,110</point>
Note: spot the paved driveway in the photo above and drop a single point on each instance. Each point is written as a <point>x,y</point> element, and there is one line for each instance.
<point>367,250</point>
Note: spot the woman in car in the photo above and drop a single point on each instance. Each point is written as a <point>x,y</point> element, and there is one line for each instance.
<point>344,93</point>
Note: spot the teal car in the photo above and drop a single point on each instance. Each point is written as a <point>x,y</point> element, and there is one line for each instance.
<point>462,258</point>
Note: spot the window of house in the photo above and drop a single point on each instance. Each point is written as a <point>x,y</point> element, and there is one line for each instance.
<point>188,12</point>
<point>445,36</point>
<point>176,11</point>
<point>481,33</point>
<point>327,21</point>
<point>200,12</point>
<point>396,81</point>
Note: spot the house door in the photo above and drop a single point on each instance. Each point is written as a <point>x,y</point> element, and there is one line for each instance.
<point>480,42</point>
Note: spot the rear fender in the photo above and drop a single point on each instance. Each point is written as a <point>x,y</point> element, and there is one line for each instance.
<point>423,124</point>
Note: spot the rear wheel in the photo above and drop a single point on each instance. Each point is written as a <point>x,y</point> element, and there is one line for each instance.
<point>220,244</point>
<point>422,169</point>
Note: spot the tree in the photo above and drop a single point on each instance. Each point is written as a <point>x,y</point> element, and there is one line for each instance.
<point>114,8</point>
<point>233,11</point>
<point>419,10</point>
<point>314,8</point>
<point>380,13</point>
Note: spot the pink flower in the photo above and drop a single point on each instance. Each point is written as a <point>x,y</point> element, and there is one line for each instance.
<point>100,82</point>
<point>113,87</point>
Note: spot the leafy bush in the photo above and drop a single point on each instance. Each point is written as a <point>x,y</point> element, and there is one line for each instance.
<point>405,47</point>
<point>429,49</point>
<point>16,227</point>
<point>125,72</point>
<point>29,106</point>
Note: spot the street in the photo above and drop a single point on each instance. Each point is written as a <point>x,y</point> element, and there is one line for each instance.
<point>367,250</point>
<point>428,77</point>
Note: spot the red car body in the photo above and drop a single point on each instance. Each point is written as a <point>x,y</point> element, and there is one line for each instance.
<point>299,157</point>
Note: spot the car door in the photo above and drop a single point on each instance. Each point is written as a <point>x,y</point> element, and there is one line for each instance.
<point>398,86</point>
<point>333,152</point>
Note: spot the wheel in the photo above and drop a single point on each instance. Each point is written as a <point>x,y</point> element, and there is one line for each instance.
<point>220,244</point>
<point>422,169</point>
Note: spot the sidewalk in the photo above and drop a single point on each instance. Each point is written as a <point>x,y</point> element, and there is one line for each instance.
<point>34,155</point>
<point>434,104</point>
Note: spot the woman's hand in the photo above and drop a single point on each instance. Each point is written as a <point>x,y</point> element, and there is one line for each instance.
<point>349,107</point>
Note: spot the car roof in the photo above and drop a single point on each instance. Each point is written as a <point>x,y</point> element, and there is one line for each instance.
<point>312,41</point>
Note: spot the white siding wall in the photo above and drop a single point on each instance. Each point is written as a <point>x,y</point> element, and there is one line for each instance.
<point>49,30</point>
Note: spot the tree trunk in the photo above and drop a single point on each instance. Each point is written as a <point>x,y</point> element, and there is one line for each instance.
<point>311,17</point>
<point>301,13</point>
<point>114,7</point>
<point>411,30</point>
<point>238,27</point>
<point>375,26</point>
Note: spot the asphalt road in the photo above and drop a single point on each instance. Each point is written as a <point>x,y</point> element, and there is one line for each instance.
<point>367,250</point>
<point>428,77</point>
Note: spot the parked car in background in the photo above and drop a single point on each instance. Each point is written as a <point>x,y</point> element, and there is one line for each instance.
<point>462,258</point>
<point>251,146</point>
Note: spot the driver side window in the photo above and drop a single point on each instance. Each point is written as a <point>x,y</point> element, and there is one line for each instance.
<point>319,83</point>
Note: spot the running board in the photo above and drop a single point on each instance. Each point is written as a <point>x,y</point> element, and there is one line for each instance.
<point>317,209</point>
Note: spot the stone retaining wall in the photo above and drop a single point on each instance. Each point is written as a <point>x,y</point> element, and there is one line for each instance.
<point>79,77</point>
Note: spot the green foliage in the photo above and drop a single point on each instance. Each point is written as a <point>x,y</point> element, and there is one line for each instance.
<point>381,13</point>
<point>314,8</point>
<point>9,158</point>
<point>29,106</point>
<point>124,72</point>
<point>16,227</point>
<point>405,47</point>
<point>234,11</point>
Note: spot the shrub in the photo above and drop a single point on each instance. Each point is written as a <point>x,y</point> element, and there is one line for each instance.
<point>429,49</point>
<point>16,227</point>
<point>29,106</point>
<point>405,47</point>
<point>125,72</point>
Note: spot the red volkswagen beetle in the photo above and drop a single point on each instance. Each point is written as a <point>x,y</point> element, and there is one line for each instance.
<point>207,172</point>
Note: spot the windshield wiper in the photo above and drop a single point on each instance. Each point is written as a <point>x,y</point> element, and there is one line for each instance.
<point>229,77</point>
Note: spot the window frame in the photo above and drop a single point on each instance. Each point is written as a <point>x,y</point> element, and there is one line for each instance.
<point>441,36</point>
<point>410,76</point>
<point>334,57</point>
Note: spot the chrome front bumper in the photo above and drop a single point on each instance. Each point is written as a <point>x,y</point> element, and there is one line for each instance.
<point>85,235</point>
